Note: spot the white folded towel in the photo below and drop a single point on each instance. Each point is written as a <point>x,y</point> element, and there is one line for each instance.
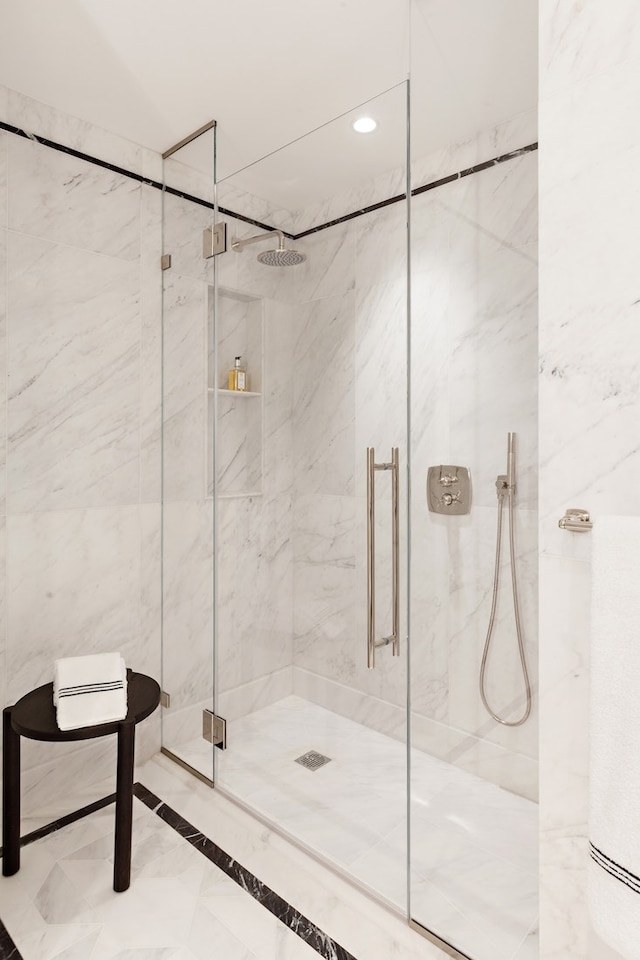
<point>90,690</point>
<point>614,776</point>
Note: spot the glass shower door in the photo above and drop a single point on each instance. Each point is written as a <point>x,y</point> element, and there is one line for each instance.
<point>474,365</point>
<point>187,547</point>
<point>317,309</point>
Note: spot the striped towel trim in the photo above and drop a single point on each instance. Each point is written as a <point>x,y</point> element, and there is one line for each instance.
<point>614,869</point>
<point>91,688</point>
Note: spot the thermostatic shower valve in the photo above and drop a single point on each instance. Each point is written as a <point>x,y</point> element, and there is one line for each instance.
<point>449,490</point>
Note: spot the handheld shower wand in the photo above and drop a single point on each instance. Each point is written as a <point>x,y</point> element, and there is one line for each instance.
<point>506,486</point>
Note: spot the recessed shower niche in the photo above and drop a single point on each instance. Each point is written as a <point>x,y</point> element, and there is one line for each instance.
<point>237,415</point>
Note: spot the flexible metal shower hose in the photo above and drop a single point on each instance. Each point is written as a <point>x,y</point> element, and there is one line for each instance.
<point>492,617</point>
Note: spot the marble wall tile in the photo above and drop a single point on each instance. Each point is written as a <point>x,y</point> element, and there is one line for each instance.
<point>256,694</point>
<point>323,396</point>
<point>260,279</point>
<point>584,40</point>
<point>324,629</point>
<point>184,388</point>
<point>4,252</point>
<point>498,204</point>
<point>471,556</point>
<point>380,372</point>
<point>471,316</point>
<point>429,566</point>
<point>151,279</point>
<point>594,300</point>
<point>278,384</point>
<point>45,121</point>
<point>187,586</point>
<point>4,199</point>
<point>183,224</point>
<point>186,170</point>
<point>512,134</point>
<point>381,246</point>
<point>4,698</point>
<point>73,372</point>
<point>254,588</point>
<point>58,197</point>
<point>611,96</point>
<point>150,645</point>
<point>73,587</point>
<point>330,266</point>
<point>564,670</point>
<point>232,195</point>
<point>347,701</point>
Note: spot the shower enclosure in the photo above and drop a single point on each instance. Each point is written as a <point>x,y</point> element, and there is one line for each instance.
<point>322,627</point>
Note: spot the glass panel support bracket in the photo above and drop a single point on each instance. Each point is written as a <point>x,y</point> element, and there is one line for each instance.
<point>214,729</point>
<point>214,240</point>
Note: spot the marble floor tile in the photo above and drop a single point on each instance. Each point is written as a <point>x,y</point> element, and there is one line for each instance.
<point>466,880</point>
<point>473,844</point>
<point>180,906</point>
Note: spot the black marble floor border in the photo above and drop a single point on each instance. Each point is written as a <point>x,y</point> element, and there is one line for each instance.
<point>371,208</point>
<point>304,928</point>
<point>8,949</point>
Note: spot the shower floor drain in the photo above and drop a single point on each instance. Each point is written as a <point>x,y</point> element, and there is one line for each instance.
<point>313,760</point>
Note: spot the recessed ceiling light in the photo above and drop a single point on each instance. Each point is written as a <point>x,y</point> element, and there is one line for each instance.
<point>365,124</point>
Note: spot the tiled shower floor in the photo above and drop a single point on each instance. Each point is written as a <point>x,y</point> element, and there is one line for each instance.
<point>473,847</point>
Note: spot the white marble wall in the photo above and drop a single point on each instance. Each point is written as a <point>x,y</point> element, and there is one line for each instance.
<point>79,419</point>
<point>252,516</point>
<point>589,402</point>
<point>474,315</point>
<point>474,368</point>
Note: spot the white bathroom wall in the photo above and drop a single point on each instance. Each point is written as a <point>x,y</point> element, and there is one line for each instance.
<point>474,349</point>
<point>253,508</point>
<point>474,316</point>
<point>589,401</point>
<point>80,415</point>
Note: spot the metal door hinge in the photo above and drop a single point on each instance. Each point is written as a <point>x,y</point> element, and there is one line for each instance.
<point>165,699</point>
<point>214,240</point>
<point>214,729</point>
<point>165,261</point>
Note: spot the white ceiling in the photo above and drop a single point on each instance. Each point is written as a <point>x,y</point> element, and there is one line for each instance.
<point>269,71</point>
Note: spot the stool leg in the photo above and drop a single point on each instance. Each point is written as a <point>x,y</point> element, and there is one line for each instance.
<point>124,807</point>
<point>10,796</point>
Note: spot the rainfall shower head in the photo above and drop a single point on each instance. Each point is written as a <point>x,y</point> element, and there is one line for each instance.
<point>281,257</point>
<point>272,258</point>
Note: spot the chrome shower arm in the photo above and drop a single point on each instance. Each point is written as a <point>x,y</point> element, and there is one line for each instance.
<point>237,244</point>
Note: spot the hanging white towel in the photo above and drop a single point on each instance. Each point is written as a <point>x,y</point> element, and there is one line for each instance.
<point>90,690</point>
<point>614,791</point>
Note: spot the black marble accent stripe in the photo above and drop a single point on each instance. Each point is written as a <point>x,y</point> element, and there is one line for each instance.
<point>351,216</point>
<point>316,938</point>
<point>477,168</point>
<point>147,181</point>
<point>614,869</point>
<point>48,828</point>
<point>468,171</point>
<point>8,949</point>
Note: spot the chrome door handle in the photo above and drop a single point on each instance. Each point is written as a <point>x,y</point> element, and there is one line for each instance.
<point>394,637</point>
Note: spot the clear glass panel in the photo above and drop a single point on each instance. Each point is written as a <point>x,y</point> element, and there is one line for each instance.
<point>473,812</point>
<point>324,342</point>
<point>187,503</point>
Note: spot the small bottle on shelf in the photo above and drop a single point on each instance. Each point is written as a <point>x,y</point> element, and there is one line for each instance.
<point>238,379</point>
